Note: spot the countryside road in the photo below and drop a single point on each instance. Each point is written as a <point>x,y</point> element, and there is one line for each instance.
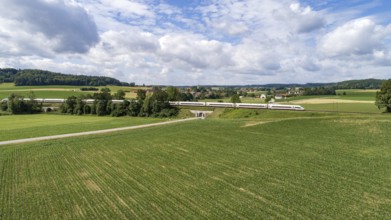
<point>20,141</point>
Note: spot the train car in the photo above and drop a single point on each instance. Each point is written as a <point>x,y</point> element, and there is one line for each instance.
<point>220,104</point>
<point>173,103</point>
<point>89,101</point>
<point>251,105</point>
<point>50,100</point>
<point>117,101</point>
<point>285,107</point>
<point>191,103</point>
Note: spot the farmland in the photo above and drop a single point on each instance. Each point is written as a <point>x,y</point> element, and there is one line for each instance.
<point>28,126</point>
<point>245,164</point>
<point>59,91</point>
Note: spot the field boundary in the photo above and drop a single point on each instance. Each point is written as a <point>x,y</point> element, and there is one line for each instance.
<point>60,136</point>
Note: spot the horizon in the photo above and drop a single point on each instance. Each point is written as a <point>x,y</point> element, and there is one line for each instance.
<point>213,42</point>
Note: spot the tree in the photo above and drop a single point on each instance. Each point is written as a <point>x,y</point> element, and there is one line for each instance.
<point>141,95</point>
<point>120,95</point>
<point>79,107</point>
<point>173,93</point>
<point>17,104</point>
<point>4,106</point>
<point>383,97</point>
<point>235,99</point>
<point>134,108</point>
<point>69,105</point>
<point>32,105</point>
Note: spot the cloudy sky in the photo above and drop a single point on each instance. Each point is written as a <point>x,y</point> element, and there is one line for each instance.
<point>190,42</point>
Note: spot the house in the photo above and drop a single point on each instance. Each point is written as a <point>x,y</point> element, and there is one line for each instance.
<point>278,96</point>
<point>263,96</point>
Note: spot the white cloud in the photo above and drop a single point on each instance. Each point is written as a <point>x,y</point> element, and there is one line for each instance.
<point>128,8</point>
<point>218,42</point>
<point>50,26</point>
<point>357,37</point>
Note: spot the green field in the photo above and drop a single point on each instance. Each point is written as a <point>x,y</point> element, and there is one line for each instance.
<point>344,107</point>
<point>351,94</point>
<point>60,91</point>
<point>27,126</point>
<point>246,164</point>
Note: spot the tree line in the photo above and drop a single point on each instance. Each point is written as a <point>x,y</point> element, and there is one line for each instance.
<point>17,104</point>
<point>383,97</point>
<point>319,91</point>
<point>155,105</point>
<point>32,77</point>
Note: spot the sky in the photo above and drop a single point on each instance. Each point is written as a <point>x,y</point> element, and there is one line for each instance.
<point>200,42</point>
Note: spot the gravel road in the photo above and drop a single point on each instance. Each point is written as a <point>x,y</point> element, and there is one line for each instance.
<point>20,141</point>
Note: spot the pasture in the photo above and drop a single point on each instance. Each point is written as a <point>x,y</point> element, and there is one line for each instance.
<point>246,164</point>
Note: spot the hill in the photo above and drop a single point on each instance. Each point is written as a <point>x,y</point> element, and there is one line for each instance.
<point>33,77</point>
<point>360,84</point>
<point>349,84</point>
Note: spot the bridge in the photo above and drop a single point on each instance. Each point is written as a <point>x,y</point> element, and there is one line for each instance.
<point>201,114</point>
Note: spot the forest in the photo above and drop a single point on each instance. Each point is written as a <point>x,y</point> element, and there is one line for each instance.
<point>32,77</point>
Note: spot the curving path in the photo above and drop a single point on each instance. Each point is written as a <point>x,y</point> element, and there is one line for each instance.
<point>20,141</point>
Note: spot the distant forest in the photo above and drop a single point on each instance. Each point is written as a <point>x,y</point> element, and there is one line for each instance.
<point>350,84</point>
<point>32,77</point>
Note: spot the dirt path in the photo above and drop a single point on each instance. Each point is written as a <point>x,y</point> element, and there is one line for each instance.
<point>20,141</point>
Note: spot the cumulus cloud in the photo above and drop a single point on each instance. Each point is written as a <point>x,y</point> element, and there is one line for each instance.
<point>216,42</point>
<point>59,26</point>
<point>306,20</point>
<point>357,37</point>
<point>194,51</point>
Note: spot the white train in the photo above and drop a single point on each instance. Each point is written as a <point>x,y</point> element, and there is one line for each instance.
<point>240,105</point>
<point>40,100</point>
<point>207,104</point>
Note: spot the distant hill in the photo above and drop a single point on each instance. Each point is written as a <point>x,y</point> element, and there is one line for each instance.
<point>360,84</point>
<point>33,77</point>
<point>350,84</point>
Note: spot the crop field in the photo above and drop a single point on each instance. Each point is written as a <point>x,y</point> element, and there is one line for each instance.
<point>246,164</point>
<point>28,126</point>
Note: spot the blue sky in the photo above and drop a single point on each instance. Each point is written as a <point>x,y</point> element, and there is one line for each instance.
<point>200,41</point>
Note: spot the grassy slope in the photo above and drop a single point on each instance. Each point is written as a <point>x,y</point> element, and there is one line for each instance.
<point>27,126</point>
<point>299,165</point>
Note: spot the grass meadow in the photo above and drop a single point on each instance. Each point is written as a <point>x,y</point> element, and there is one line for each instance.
<point>28,126</point>
<point>243,164</point>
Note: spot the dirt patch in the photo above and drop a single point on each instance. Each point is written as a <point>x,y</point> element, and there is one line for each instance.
<point>371,90</point>
<point>83,174</point>
<point>254,123</point>
<point>91,185</point>
<point>78,210</point>
<point>329,101</point>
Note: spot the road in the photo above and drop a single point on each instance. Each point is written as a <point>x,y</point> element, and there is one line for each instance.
<point>20,141</point>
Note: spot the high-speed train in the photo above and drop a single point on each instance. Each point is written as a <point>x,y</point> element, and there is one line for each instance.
<point>40,100</point>
<point>240,105</point>
<point>207,104</point>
